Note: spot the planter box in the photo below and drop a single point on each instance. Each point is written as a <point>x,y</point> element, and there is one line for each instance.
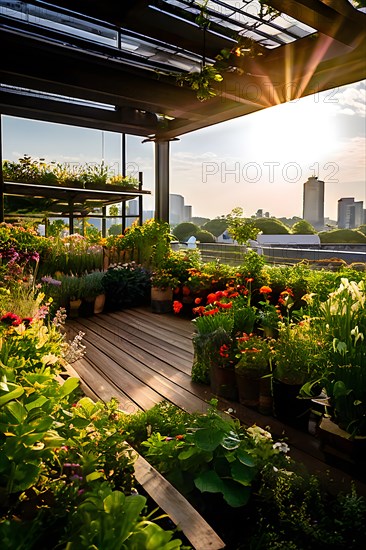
<point>341,449</point>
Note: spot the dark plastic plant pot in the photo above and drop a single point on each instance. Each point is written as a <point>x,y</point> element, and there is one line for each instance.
<point>288,407</point>
<point>223,383</point>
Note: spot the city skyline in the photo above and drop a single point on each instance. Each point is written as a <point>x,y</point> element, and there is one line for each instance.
<point>261,160</point>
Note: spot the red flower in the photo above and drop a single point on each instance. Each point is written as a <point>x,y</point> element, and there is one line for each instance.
<point>198,310</point>
<point>27,321</point>
<point>11,319</point>
<point>265,290</point>
<point>177,306</point>
<point>211,311</point>
<point>176,290</point>
<point>179,437</point>
<point>225,306</point>
<point>224,350</point>
<point>249,279</point>
<point>211,298</point>
<point>197,300</point>
<point>186,291</point>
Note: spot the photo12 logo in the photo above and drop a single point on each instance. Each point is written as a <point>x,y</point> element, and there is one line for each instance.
<point>268,172</point>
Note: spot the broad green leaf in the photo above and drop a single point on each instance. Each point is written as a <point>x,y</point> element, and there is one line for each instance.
<point>133,507</point>
<point>152,537</point>
<point>231,441</point>
<point>14,394</point>
<point>37,403</point>
<point>187,453</point>
<point>25,476</point>
<point>339,389</point>
<point>68,386</point>
<point>114,503</point>
<point>17,410</point>
<point>208,439</point>
<point>94,475</point>
<point>209,482</point>
<point>235,495</point>
<point>245,458</point>
<point>241,473</point>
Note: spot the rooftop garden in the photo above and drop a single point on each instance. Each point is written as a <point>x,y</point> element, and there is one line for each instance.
<point>66,472</point>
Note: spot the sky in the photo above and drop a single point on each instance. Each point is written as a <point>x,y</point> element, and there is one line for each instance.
<point>259,161</point>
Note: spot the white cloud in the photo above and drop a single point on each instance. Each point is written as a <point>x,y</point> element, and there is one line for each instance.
<point>351,100</point>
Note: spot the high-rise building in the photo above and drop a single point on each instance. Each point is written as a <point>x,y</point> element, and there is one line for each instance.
<point>178,211</point>
<point>313,202</point>
<point>350,213</point>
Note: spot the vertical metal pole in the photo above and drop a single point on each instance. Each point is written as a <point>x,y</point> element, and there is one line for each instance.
<point>123,171</point>
<point>162,154</point>
<point>140,199</point>
<point>71,216</point>
<point>2,187</point>
<point>104,221</point>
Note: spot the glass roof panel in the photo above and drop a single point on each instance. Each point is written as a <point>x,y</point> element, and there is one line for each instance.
<point>227,17</point>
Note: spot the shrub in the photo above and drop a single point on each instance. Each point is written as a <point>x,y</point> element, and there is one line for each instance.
<point>126,285</point>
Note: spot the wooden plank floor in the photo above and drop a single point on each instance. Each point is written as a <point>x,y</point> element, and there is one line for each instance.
<point>142,358</point>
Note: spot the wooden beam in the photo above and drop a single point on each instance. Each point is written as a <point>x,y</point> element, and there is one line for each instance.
<point>195,528</point>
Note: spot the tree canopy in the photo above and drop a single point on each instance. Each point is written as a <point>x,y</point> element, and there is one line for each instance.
<point>271,226</point>
<point>185,230</point>
<point>342,236</point>
<point>303,227</point>
<point>216,226</point>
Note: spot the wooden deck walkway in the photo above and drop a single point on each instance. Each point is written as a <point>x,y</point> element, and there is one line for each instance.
<point>142,358</point>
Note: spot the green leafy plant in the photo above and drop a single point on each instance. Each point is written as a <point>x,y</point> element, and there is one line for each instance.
<point>126,285</point>
<point>162,279</point>
<point>215,455</point>
<point>254,353</point>
<point>300,355</point>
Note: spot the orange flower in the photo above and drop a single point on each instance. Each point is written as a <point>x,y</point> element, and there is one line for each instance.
<point>287,292</point>
<point>265,290</point>
<point>211,311</point>
<point>249,279</point>
<point>177,306</point>
<point>197,300</point>
<point>198,310</point>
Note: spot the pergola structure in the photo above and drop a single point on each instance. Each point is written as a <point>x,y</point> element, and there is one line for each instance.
<point>125,66</point>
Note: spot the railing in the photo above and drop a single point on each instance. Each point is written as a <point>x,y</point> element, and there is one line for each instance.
<point>234,254</point>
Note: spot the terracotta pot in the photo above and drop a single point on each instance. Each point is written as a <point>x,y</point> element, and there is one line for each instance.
<point>99,303</point>
<point>161,300</point>
<point>223,383</point>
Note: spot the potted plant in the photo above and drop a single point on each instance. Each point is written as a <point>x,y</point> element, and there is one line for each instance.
<point>342,322</point>
<point>162,285</point>
<point>267,319</point>
<point>214,352</point>
<point>93,291</point>
<point>254,354</point>
<point>70,293</point>
<point>126,285</point>
<point>299,357</point>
